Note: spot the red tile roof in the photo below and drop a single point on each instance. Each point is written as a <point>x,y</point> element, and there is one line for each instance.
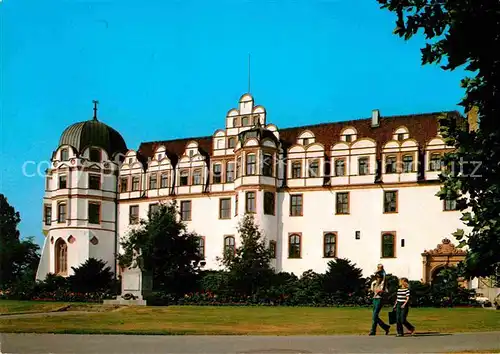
<point>422,127</point>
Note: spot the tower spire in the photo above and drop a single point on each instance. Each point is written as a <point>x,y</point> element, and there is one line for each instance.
<point>95,109</point>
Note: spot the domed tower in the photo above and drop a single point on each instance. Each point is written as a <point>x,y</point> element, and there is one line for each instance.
<point>256,155</point>
<point>80,202</point>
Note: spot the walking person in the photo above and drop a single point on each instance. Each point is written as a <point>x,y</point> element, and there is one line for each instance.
<point>402,307</point>
<point>377,288</point>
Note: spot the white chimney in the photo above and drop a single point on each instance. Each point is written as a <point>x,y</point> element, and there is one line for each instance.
<point>375,118</point>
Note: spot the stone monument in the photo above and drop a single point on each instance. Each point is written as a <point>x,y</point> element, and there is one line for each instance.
<point>136,285</point>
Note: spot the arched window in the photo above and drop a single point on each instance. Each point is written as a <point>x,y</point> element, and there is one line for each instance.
<point>61,257</point>
<point>388,245</point>
<point>407,163</point>
<point>329,242</point>
<point>390,164</point>
<point>64,155</point>
<point>229,246</point>
<point>435,162</point>
<point>294,246</point>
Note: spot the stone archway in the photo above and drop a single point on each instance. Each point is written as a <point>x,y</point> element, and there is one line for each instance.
<point>444,255</point>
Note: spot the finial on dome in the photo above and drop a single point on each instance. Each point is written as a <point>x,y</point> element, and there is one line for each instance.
<point>95,109</point>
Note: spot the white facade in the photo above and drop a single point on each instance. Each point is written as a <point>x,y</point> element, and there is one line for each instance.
<point>363,190</point>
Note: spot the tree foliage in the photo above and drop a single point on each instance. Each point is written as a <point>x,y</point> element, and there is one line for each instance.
<point>162,247</point>
<point>465,33</point>
<point>343,277</point>
<point>249,267</point>
<point>92,276</point>
<point>18,258</point>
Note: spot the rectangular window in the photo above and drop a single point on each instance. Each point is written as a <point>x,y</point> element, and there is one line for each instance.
<point>231,142</point>
<point>296,205</point>
<point>272,249</point>
<point>236,204</point>
<point>339,167</point>
<point>267,165</point>
<point>296,169</point>
<point>250,202</point>
<point>95,155</point>
<point>363,166</point>
<point>123,184</point>
<point>153,179</point>
<point>186,210</point>
<point>230,172</point>
<point>63,182</point>
<point>225,208</point>
<point>342,203</point>
<point>61,212</point>
<point>196,177</point>
<point>94,181</point>
<point>390,164</point>
<point>269,203</point>
<point>47,214</point>
<point>238,167</point>
<point>133,217</point>
<point>251,163</point>
<point>390,201</point>
<point>313,168</point>
<point>388,245</point>
<point>164,180</point>
<point>135,183</point>
<point>153,208</point>
<point>201,247</point>
<point>94,213</point>
<point>450,204</point>
<point>184,178</point>
<point>329,245</point>
<point>217,173</point>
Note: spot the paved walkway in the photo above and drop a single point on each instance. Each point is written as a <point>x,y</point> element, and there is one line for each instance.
<point>107,344</point>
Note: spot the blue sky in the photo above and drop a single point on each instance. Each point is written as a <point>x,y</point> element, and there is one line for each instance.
<point>170,69</point>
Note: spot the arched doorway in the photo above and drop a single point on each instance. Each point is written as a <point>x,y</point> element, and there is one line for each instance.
<point>61,257</point>
<point>443,256</point>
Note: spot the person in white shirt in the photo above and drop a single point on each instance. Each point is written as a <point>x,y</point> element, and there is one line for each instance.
<point>377,287</point>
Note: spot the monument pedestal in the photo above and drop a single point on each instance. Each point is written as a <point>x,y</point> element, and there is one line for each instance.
<point>135,286</point>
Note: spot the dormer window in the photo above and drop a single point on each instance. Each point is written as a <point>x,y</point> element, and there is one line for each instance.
<point>435,162</point>
<point>401,136</point>
<point>339,167</point>
<point>305,141</point>
<point>64,155</point>
<point>245,121</point>
<point>153,181</point>
<point>184,178</point>
<point>191,153</point>
<point>135,183</point>
<point>231,142</point>
<point>348,138</point>
<point>159,157</point>
<point>130,160</point>
<point>95,155</point>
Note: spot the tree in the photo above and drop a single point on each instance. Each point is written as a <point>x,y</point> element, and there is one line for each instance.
<point>464,33</point>
<point>91,276</point>
<point>343,278</point>
<point>162,247</point>
<point>17,258</point>
<point>249,267</point>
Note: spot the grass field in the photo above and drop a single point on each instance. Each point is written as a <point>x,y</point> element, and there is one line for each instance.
<point>247,320</point>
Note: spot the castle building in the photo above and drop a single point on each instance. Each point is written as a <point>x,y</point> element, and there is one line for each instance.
<point>362,189</point>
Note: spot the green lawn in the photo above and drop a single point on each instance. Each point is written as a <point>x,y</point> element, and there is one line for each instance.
<point>21,307</point>
<point>249,320</point>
